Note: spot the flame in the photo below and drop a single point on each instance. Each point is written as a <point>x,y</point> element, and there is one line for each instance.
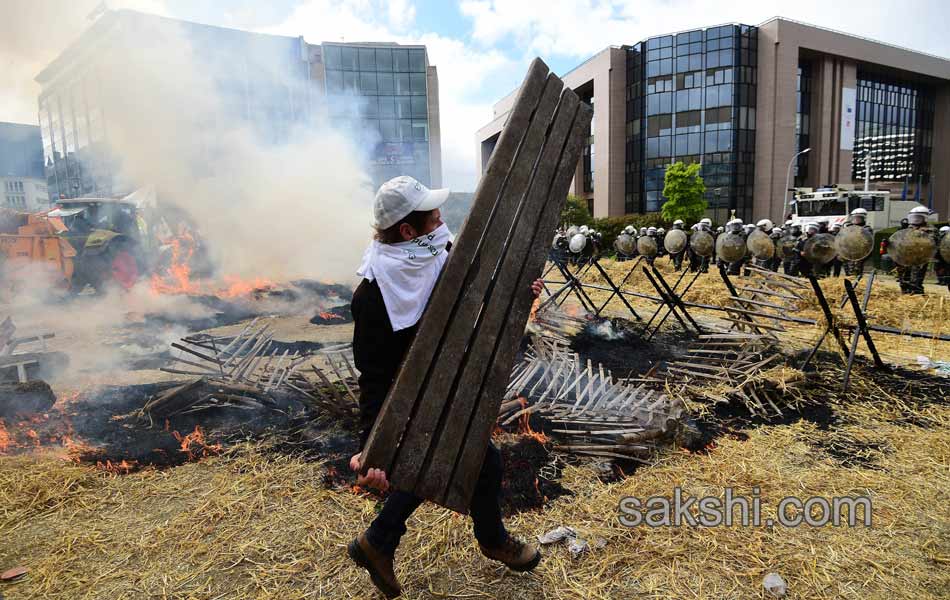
<point>65,399</point>
<point>6,442</point>
<point>237,287</point>
<point>34,437</point>
<point>194,444</point>
<point>176,279</point>
<point>534,310</point>
<point>123,467</point>
<point>524,424</point>
<point>327,316</point>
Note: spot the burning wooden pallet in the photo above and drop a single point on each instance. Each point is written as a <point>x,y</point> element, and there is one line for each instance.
<point>596,414</point>
<point>245,370</point>
<point>433,430</point>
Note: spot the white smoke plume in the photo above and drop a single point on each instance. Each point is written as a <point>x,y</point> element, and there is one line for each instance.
<point>296,207</point>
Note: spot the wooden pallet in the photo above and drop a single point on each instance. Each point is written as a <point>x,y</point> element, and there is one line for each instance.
<point>433,430</point>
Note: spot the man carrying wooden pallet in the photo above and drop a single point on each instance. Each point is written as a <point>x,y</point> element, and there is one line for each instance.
<point>399,271</point>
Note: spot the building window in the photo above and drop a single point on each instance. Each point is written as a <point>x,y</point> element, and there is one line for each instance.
<point>701,109</point>
<point>383,90</point>
<point>895,124</point>
<point>802,120</point>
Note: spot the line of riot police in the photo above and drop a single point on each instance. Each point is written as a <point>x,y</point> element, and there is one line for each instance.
<point>815,249</point>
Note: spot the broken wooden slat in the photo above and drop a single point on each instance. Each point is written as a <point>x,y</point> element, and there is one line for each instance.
<point>473,453</point>
<point>397,410</point>
<point>501,292</point>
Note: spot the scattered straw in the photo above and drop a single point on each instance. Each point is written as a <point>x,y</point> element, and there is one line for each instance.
<point>250,524</point>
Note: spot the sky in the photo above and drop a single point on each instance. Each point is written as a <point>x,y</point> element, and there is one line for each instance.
<point>481,47</point>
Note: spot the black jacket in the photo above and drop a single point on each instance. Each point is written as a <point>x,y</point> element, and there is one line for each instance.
<point>377,350</point>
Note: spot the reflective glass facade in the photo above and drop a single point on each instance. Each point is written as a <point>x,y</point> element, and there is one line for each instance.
<point>589,151</point>
<point>802,120</point>
<point>383,90</point>
<point>691,98</point>
<point>260,83</point>
<point>895,121</point>
<point>75,149</point>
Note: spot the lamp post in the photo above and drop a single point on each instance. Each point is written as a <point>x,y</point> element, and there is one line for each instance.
<point>788,180</point>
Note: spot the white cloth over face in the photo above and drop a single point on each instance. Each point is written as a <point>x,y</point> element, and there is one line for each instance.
<point>406,272</point>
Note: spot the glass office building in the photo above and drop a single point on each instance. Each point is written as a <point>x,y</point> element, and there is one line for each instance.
<point>691,98</point>
<point>742,101</point>
<point>895,123</point>
<point>382,89</point>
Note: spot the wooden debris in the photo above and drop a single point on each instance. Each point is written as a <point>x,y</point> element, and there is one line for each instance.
<point>593,411</point>
<point>247,370</point>
<point>14,365</point>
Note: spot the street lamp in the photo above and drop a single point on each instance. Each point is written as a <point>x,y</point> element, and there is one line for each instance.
<point>788,179</point>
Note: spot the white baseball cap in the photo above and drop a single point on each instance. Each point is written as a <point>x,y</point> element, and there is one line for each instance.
<point>402,195</point>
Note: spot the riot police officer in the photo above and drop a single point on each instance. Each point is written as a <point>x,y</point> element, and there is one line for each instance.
<point>790,259</point>
<point>859,218</point>
<point>834,266</point>
<point>912,278</point>
<point>805,267</point>
<point>942,265</point>
<point>677,258</point>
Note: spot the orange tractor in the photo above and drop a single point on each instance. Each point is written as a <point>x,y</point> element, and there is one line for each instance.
<point>84,241</point>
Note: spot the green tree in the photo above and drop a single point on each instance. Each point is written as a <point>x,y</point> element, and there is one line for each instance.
<point>575,212</point>
<point>683,188</point>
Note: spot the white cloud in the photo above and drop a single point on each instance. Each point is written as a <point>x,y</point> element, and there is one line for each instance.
<point>579,28</point>
<point>462,68</point>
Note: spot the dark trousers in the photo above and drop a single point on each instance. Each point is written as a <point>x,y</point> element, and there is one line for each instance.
<point>389,525</point>
<point>677,260</point>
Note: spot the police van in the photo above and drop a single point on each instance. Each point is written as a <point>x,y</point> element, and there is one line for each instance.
<point>834,204</point>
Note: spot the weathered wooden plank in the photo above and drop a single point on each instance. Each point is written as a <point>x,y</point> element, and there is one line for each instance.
<point>432,404</point>
<point>395,413</point>
<point>495,312</point>
<point>476,443</point>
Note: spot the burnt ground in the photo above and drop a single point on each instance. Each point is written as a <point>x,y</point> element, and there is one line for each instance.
<point>105,417</point>
<point>617,344</point>
<point>826,403</point>
<point>110,434</point>
<point>333,316</point>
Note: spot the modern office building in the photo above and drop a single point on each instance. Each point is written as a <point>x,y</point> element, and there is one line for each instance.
<point>22,181</point>
<point>390,94</point>
<point>742,101</point>
<point>274,85</point>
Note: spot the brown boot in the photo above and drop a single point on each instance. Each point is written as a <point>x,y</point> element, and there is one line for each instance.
<point>379,565</point>
<point>515,554</point>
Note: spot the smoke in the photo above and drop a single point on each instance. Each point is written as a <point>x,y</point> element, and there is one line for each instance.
<point>227,130</point>
<point>32,33</point>
<point>232,135</point>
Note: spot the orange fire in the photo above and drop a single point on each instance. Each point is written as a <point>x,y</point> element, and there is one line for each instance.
<point>64,399</point>
<point>329,315</point>
<point>194,444</point>
<point>176,279</point>
<point>237,287</point>
<point>534,309</point>
<point>524,424</point>
<point>123,467</point>
<point>6,442</point>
